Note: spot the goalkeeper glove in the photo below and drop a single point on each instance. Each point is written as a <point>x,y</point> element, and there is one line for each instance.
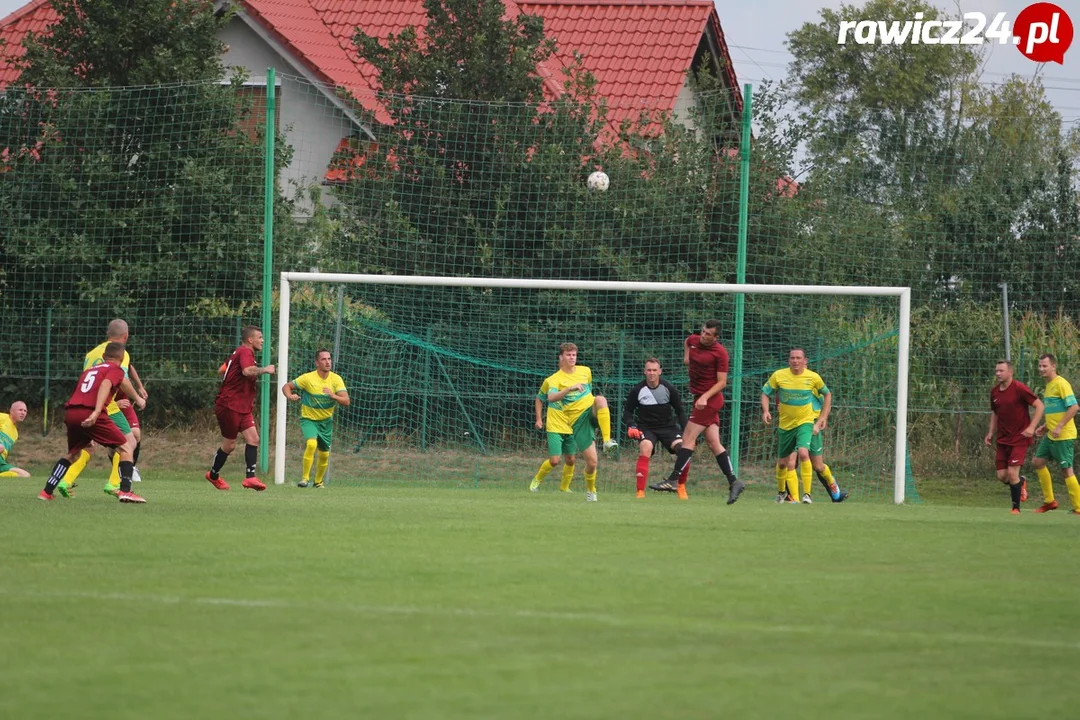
<point>634,433</point>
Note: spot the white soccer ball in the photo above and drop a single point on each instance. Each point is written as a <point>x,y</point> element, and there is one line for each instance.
<point>599,181</point>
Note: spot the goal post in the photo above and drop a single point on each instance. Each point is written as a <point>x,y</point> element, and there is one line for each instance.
<point>902,294</point>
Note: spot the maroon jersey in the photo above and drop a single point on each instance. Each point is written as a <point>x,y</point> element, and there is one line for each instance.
<point>237,391</point>
<point>1011,407</point>
<point>86,389</point>
<point>705,362</point>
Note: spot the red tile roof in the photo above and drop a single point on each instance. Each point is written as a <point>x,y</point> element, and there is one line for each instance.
<point>34,17</point>
<point>639,50</point>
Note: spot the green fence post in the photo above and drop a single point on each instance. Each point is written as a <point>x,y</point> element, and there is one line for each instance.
<point>740,275</point>
<point>268,266</point>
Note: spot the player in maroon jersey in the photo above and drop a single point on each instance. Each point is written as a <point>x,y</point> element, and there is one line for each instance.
<point>707,362</point>
<point>1015,428</point>
<point>234,405</point>
<point>87,423</point>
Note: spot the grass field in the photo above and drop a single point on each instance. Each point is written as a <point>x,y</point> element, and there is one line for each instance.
<point>434,602</point>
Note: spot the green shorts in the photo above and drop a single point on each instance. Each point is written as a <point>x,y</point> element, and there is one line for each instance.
<point>583,436</point>
<point>817,443</point>
<point>121,422</point>
<point>1060,451</point>
<point>5,466</point>
<point>322,431</point>
<point>788,441</point>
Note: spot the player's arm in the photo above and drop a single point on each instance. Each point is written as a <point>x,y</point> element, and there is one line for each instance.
<point>992,430</point>
<point>716,389</point>
<point>630,407</point>
<point>538,404</point>
<point>253,370</point>
<point>289,391</point>
<point>1070,413</point>
<point>1029,431</point>
<point>341,397</point>
<point>686,352</point>
<point>103,395</point>
<point>129,390</point>
<point>137,382</point>
<point>557,395</point>
<point>766,403</point>
<point>677,404</point>
<point>826,408</point>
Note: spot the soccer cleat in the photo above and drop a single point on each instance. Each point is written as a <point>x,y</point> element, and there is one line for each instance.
<point>611,445</point>
<point>590,497</point>
<point>302,483</point>
<point>566,490</point>
<point>806,499</point>
<point>1023,489</point>
<point>842,497</point>
<point>135,476</point>
<point>682,493</point>
<point>129,497</point>
<point>790,500</point>
<point>665,486</point>
<point>220,483</point>
<point>44,496</point>
<point>1047,507</point>
<point>111,490</point>
<point>640,494</point>
<point>65,489</point>
<point>781,498</point>
<point>253,483</point>
<point>734,491</point>
<point>1016,511</point>
<point>317,486</point>
<point>534,486</point>
<point>834,492</point>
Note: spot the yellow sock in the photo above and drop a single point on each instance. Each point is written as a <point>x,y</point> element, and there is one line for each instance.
<point>806,472</point>
<point>567,476</point>
<point>826,472</point>
<point>1073,488</point>
<point>781,478</point>
<point>321,465</point>
<point>793,484</point>
<point>590,481</point>
<point>309,457</point>
<point>545,468</point>
<point>7,473</point>
<point>114,476</point>
<point>77,467</point>
<point>603,419</point>
<point>1046,483</point>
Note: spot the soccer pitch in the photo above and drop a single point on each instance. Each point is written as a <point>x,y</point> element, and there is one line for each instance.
<point>429,602</point>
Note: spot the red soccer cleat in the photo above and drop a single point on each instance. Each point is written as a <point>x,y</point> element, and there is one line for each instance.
<point>44,496</point>
<point>254,483</point>
<point>1015,511</point>
<point>1023,489</point>
<point>220,483</point>
<point>1047,507</point>
<point>130,497</point>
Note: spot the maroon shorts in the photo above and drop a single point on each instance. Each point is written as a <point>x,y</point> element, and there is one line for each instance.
<point>1010,456</point>
<point>104,432</point>
<point>132,418</point>
<point>710,414</point>
<point>231,422</point>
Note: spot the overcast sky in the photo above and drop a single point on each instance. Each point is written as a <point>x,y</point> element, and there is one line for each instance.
<point>756,32</point>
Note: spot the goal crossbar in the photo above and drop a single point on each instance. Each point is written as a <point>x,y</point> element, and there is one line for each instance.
<point>903,294</point>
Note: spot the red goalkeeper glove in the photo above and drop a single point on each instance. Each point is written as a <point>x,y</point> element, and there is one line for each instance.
<point>634,433</point>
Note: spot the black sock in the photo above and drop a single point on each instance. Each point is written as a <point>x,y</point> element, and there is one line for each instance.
<point>1014,490</point>
<point>251,457</point>
<point>126,468</point>
<point>219,462</point>
<point>58,473</point>
<point>725,466</point>
<point>135,455</point>
<point>682,457</point>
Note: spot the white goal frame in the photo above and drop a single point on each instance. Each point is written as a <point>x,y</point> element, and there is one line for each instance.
<point>904,335</point>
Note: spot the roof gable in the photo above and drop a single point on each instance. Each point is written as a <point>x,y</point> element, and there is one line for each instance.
<point>32,18</point>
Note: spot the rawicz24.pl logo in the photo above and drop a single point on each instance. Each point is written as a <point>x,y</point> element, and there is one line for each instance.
<point>1041,32</point>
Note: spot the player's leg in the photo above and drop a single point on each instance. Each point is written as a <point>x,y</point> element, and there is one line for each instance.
<point>603,420</point>
<point>121,422</point>
<point>78,438</point>
<point>787,448</point>
<point>1043,453</point>
<point>555,450</point>
<point>1064,451</point>
<point>325,430</point>
<point>136,430</point>
<point>723,460</point>
<point>1012,479</point>
<point>251,453</point>
<point>229,423</point>
<point>9,470</point>
<point>126,453</point>
<point>645,451</point>
<point>823,471</point>
<point>311,442</point>
<point>682,456</point>
<point>583,440</point>
<point>591,462</point>
<point>567,473</point>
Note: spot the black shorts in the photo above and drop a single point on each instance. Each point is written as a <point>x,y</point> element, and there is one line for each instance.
<point>665,436</point>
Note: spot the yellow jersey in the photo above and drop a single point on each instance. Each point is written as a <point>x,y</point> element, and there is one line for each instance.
<point>8,435</point>
<point>314,403</point>
<point>799,395</point>
<point>562,414</point>
<point>1058,397</point>
<point>97,357</point>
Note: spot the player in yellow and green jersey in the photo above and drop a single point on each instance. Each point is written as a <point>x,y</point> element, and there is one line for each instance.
<point>1058,433</point>
<point>117,331</point>
<point>319,392</point>
<point>571,411</point>
<point>9,433</point>
<point>795,388</point>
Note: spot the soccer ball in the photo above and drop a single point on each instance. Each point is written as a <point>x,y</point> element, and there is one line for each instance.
<point>599,181</point>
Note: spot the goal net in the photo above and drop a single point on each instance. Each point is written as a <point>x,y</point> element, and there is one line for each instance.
<point>443,372</point>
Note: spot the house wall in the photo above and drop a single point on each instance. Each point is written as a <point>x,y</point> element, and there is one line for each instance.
<point>684,105</point>
<point>313,126</point>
